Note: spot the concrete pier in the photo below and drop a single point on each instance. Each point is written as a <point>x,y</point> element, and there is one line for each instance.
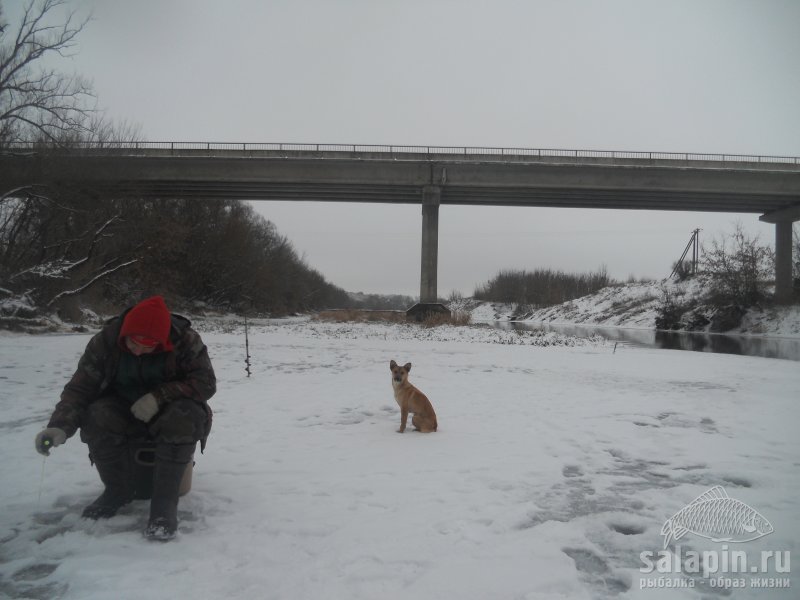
<point>431,199</point>
<point>783,262</point>
<point>428,295</point>
<point>783,220</point>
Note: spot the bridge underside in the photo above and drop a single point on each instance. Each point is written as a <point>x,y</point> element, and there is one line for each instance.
<point>621,199</point>
<point>770,190</point>
<point>464,196</point>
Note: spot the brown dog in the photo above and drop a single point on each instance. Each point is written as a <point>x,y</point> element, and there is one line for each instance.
<point>411,400</point>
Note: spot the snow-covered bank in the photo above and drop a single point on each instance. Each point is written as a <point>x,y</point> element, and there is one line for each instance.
<point>553,469</point>
<point>636,305</point>
<point>476,334</point>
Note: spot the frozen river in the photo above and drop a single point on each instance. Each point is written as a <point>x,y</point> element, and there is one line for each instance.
<point>556,465</point>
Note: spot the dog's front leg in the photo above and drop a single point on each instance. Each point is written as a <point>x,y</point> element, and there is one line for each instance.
<point>403,419</point>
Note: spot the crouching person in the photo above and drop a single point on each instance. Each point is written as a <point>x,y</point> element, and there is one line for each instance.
<point>145,376</point>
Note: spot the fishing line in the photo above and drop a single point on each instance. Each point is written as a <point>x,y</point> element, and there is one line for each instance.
<point>46,443</point>
<point>41,484</point>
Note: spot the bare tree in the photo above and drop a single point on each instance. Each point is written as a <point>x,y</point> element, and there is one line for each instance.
<point>38,102</point>
<point>54,244</point>
<point>740,268</point>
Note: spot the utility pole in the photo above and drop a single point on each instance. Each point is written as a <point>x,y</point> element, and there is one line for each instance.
<point>694,245</point>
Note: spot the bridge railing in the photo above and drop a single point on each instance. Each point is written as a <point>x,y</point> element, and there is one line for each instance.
<point>195,148</point>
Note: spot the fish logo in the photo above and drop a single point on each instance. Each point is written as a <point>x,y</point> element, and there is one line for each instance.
<point>717,517</point>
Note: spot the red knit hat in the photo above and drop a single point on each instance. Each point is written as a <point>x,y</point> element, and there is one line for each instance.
<point>149,321</point>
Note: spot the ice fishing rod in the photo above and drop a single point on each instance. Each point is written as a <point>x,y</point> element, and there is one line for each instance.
<point>47,443</point>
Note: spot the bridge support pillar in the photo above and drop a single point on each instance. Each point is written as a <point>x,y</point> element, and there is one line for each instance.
<point>431,199</point>
<point>783,261</point>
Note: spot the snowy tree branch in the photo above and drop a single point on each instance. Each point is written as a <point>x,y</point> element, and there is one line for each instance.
<point>90,283</point>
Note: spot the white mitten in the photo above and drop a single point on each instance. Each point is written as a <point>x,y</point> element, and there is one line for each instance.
<point>145,408</point>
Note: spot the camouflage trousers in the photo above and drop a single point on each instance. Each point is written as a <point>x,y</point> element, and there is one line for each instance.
<point>108,424</point>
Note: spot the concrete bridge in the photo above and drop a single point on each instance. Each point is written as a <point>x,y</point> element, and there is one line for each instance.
<point>430,176</point>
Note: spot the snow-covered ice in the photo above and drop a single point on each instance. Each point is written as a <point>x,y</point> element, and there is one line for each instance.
<point>554,467</point>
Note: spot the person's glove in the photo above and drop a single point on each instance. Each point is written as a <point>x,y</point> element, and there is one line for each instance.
<point>145,408</point>
<point>49,438</point>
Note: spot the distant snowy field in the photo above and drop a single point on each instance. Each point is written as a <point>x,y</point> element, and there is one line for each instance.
<point>554,467</point>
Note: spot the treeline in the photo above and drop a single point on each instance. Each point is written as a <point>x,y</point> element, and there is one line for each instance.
<point>541,287</point>
<point>380,302</point>
<point>58,250</point>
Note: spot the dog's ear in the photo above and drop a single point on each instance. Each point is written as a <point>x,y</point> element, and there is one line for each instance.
<point>392,364</point>
<point>407,366</point>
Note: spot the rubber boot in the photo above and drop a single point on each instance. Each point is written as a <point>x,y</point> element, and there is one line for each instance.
<point>170,465</point>
<point>116,473</point>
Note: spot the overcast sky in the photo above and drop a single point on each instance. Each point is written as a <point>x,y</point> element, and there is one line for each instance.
<point>651,75</point>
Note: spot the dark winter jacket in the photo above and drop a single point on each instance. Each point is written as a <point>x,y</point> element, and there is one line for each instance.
<point>186,373</point>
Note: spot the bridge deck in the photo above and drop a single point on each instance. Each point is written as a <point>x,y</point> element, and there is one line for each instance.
<point>399,174</point>
<point>428,176</point>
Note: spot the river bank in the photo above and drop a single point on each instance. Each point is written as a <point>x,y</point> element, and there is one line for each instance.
<point>636,305</point>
